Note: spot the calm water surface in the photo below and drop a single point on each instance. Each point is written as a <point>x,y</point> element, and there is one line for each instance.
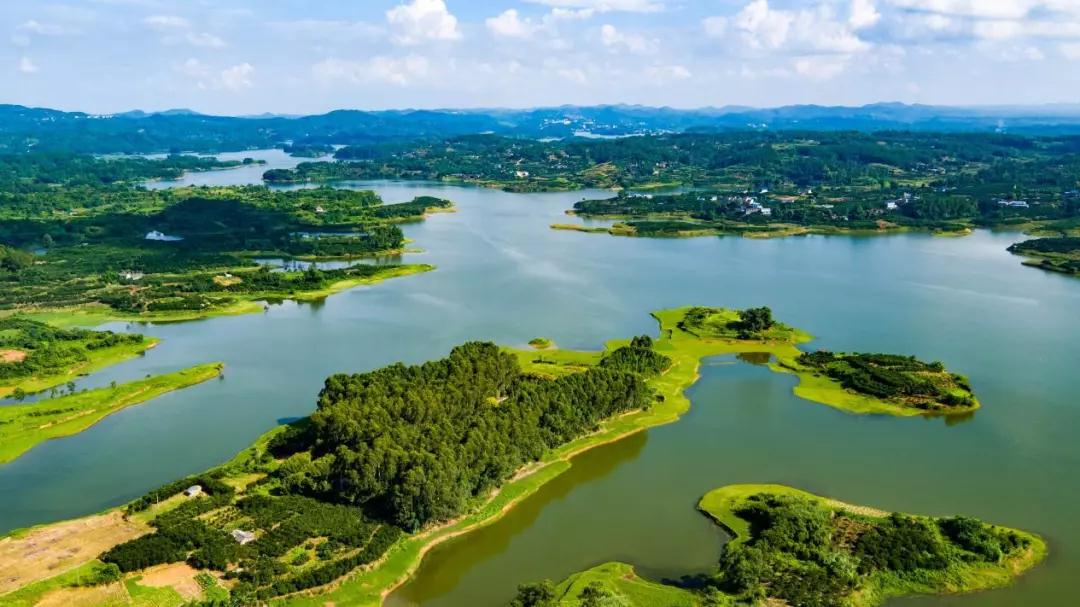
<point>504,276</point>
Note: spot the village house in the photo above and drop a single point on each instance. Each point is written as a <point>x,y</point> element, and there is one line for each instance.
<point>193,491</point>
<point>242,537</point>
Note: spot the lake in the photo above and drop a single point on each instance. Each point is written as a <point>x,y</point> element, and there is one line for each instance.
<point>503,275</point>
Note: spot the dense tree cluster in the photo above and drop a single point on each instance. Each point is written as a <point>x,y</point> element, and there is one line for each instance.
<point>1062,245</point>
<point>902,379</point>
<point>808,555</point>
<point>638,357</point>
<point>415,444</point>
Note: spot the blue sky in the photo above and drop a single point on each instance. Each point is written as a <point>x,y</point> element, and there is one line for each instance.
<point>244,57</point>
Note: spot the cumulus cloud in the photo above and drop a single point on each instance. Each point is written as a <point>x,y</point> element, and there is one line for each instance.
<point>611,37</point>
<point>423,20</point>
<point>863,14</point>
<point>237,77</point>
<point>510,24</point>
<point>233,78</point>
<point>817,29</point>
<point>27,66</point>
<point>400,71</point>
<point>820,67</point>
<point>43,29</point>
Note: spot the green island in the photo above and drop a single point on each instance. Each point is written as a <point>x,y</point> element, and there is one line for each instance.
<point>790,547</point>
<point>22,427</point>
<point>35,356</point>
<point>342,506</point>
<point>79,235</point>
<point>541,343</point>
<point>1056,254</point>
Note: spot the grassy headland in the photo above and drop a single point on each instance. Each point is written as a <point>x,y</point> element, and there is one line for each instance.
<point>22,427</point>
<point>791,547</point>
<point>1055,254</point>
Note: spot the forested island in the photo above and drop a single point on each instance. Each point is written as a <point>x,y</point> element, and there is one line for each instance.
<point>35,356</point>
<point>790,547</point>
<point>75,234</point>
<point>396,460</point>
<point>1061,254</point>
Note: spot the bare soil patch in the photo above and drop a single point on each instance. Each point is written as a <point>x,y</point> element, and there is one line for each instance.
<point>178,576</point>
<point>49,551</point>
<point>12,356</point>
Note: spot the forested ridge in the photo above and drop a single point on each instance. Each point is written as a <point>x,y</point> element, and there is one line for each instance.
<point>415,444</point>
<point>394,449</point>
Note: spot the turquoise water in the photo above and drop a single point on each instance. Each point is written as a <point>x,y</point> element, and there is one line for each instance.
<point>504,276</point>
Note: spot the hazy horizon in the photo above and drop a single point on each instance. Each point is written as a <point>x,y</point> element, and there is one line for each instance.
<point>240,57</point>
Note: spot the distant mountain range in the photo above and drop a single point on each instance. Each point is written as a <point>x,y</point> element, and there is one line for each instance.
<point>23,128</point>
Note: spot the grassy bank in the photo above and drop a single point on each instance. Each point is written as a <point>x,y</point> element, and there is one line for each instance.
<point>23,427</point>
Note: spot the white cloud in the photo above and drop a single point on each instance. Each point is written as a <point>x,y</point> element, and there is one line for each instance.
<point>423,20</point>
<point>763,26</point>
<point>611,37</point>
<point>401,71</point>
<point>26,66</point>
<point>863,14</point>
<point>569,14</point>
<point>204,40</point>
<point>575,75</point>
<point>818,29</point>
<point>663,74</point>
<point>604,6</point>
<point>1071,50</point>
<point>165,22</point>
<point>237,77</point>
<point>509,24</point>
<point>820,67</point>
